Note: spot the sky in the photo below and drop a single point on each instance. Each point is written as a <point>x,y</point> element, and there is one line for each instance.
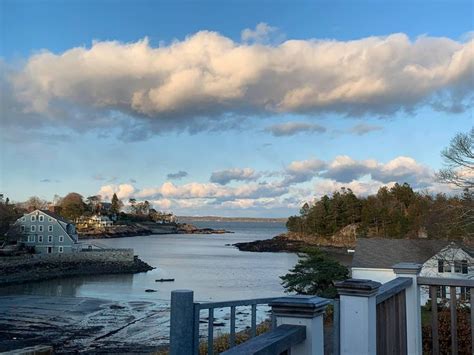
<point>236,108</point>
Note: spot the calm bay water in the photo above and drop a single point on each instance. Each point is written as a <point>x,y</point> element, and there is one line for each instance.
<point>207,264</point>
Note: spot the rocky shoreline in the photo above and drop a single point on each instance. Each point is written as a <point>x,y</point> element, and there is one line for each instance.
<point>54,269</point>
<point>146,228</point>
<point>296,242</point>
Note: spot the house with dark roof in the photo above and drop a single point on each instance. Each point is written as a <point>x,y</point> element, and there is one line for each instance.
<point>374,258</point>
<point>47,232</point>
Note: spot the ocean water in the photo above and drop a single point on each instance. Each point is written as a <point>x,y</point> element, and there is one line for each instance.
<point>207,264</point>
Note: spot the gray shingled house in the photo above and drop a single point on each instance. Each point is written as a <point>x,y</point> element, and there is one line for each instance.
<point>47,232</point>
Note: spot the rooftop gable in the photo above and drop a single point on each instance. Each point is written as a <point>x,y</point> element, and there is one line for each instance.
<point>379,253</point>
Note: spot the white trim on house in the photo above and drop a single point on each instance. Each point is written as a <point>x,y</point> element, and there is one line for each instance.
<point>32,218</point>
<point>61,238</point>
<point>40,239</point>
<point>40,228</point>
<point>50,228</point>
<point>40,218</point>
<point>60,249</point>
<point>50,238</point>
<point>33,228</point>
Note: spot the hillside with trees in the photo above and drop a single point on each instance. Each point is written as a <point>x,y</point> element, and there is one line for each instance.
<point>399,211</point>
<point>396,212</point>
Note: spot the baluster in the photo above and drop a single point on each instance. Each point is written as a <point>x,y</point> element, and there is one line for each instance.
<point>434,320</point>
<point>232,326</point>
<point>254,321</point>
<point>197,313</point>
<point>454,321</point>
<point>210,332</point>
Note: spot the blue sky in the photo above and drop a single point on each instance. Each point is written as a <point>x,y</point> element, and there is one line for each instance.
<point>277,103</point>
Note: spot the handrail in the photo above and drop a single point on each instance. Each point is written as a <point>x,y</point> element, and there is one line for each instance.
<point>276,341</point>
<point>439,281</point>
<point>236,303</point>
<point>390,289</point>
<point>210,306</point>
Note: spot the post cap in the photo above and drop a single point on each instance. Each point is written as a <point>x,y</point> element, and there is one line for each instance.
<point>358,287</point>
<point>299,306</point>
<point>407,268</point>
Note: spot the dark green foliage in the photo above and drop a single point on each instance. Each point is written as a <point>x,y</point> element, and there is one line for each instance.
<point>116,205</point>
<point>398,212</point>
<point>315,274</point>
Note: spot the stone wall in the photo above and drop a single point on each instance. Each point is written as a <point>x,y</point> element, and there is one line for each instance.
<point>96,255</point>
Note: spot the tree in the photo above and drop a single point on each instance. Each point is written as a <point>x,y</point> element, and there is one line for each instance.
<point>8,215</point>
<point>35,203</point>
<point>315,274</point>
<point>459,161</point>
<point>116,204</point>
<point>72,206</point>
<point>93,203</point>
<point>133,203</point>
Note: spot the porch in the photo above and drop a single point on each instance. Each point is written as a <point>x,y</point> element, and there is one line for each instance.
<point>366,318</point>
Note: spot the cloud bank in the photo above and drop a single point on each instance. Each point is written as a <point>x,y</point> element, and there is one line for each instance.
<point>299,181</point>
<point>207,79</point>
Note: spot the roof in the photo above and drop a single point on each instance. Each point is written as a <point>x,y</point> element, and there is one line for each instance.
<point>56,216</point>
<point>384,253</point>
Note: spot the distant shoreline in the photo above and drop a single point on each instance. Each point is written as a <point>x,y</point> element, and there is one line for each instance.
<point>230,219</point>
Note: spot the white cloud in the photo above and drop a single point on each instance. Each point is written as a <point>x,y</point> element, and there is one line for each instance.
<point>123,191</point>
<point>292,128</point>
<point>206,79</point>
<point>223,177</point>
<point>303,170</point>
<point>363,128</point>
<point>261,34</point>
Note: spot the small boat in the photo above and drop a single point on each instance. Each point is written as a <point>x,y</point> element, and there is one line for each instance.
<point>164,280</point>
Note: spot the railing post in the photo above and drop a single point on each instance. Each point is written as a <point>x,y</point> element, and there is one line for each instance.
<point>182,322</point>
<point>307,311</point>
<point>358,316</point>
<point>413,306</point>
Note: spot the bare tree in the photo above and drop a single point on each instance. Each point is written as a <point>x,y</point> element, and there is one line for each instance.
<point>459,161</point>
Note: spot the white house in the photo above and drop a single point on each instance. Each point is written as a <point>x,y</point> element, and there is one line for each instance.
<point>375,257</point>
<point>47,232</point>
<point>95,221</point>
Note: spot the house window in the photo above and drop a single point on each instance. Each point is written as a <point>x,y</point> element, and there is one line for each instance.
<point>40,239</point>
<point>31,238</point>
<point>41,218</point>
<point>464,267</point>
<point>465,293</point>
<point>33,228</point>
<point>440,265</point>
<point>23,219</point>
<point>50,238</point>
<point>50,228</point>
<point>22,228</point>
<point>40,228</point>
<point>60,249</point>
<point>61,238</point>
<point>33,218</point>
<point>458,266</point>
<point>50,219</point>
